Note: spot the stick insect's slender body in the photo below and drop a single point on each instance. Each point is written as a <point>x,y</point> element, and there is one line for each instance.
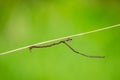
<point>49,45</point>
<point>64,42</point>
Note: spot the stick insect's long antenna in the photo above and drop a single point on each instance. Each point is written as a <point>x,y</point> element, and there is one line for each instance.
<point>81,53</point>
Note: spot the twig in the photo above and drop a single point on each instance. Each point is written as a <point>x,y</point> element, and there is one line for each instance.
<point>76,35</point>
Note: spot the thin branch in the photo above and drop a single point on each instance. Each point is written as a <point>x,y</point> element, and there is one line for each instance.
<point>76,35</point>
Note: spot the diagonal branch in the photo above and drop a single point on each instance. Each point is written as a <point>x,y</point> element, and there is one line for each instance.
<point>71,36</point>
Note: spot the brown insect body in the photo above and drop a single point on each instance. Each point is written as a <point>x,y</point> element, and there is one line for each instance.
<point>64,42</point>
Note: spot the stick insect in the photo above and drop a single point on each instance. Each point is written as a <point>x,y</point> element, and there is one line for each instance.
<point>65,42</point>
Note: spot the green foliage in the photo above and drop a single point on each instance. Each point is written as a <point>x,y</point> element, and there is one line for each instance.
<point>24,22</point>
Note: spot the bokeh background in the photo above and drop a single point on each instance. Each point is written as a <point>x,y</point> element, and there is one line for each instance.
<point>24,22</point>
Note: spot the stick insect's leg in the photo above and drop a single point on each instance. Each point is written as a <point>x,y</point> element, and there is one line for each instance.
<point>81,53</point>
<point>31,47</point>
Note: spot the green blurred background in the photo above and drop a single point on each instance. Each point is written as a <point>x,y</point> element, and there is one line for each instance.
<point>24,22</point>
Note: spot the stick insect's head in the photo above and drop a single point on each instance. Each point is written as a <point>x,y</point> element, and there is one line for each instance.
<point>69,39</point>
